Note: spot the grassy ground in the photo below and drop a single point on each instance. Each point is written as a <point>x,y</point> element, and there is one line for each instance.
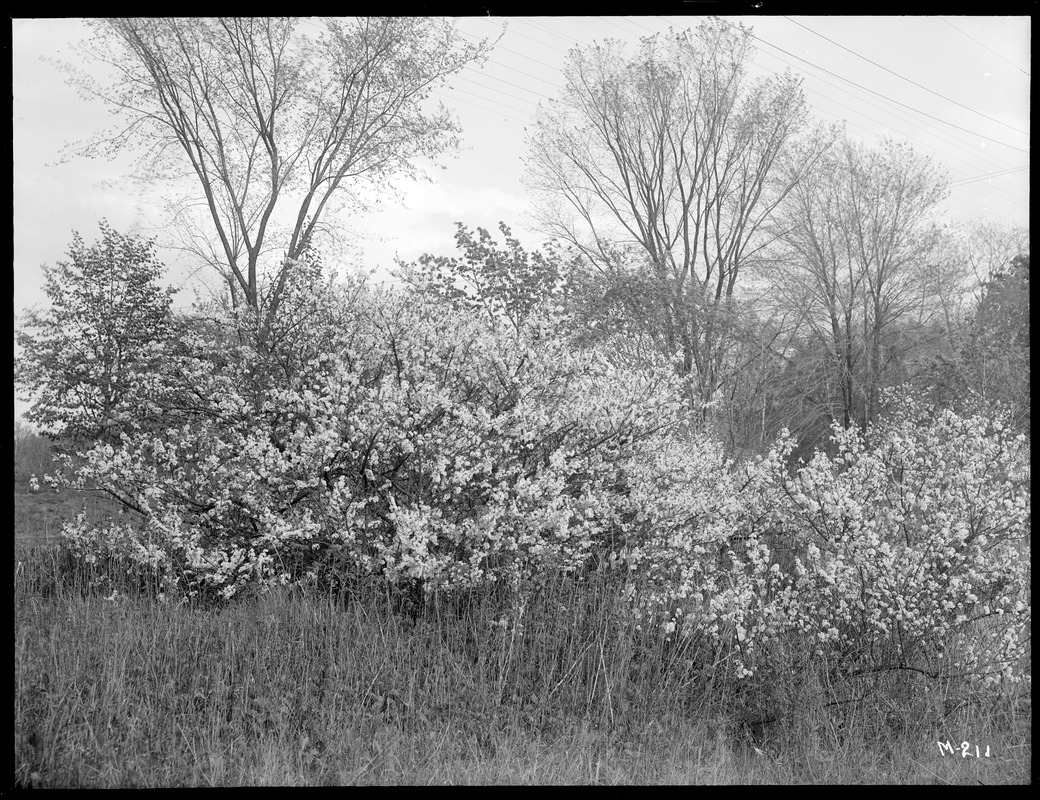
<point>117,688</point>
<point>38,516</point>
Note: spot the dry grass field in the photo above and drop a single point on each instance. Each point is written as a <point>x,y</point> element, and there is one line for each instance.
<point>118,687</point>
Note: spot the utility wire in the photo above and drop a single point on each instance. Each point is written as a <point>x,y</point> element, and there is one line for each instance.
<point>641,25</point>
<point>490,100</point>
<point>962,181</point>
<point>544,29</point>
<point>987,158</point>
<point>984,158</point>
<point>500,91</point>
<point>610,21</point>
<point>493,77</point>
<point>453,98</point>
<point>896,113</point>
<point>953,184</point>
<point>529,58</point>
<point>522,55</point>
<point>980,44</point>
<point>903,77</point>
<point>975,153</point>
<point>878,94</point>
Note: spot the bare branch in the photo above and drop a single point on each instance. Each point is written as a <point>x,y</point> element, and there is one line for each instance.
<point>275,123</point>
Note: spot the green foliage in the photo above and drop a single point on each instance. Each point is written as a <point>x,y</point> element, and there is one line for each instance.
<point>550,513</point>
<point>424,446</point>
<point>907,539</point>
<point>514,446</point>
<point>1004,307</point>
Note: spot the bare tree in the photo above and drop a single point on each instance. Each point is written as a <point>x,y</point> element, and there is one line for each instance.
<point>860,234</point>
<point>267,118</point>
<point>671,154</point>
<point>971,256</point>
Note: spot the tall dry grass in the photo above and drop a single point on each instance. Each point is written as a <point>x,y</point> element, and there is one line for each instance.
<point>117,686</point>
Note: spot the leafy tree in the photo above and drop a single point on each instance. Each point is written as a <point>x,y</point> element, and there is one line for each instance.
<point>93,362</point>
<point>619,311</point>
<point>1004,308</point>
<point>268,118</point>
<point>419,442</point>
<point>508,284</point>
<point>996,355</point>
<point>968,256</point>
<point>670,157</point>
<point>953,368</point>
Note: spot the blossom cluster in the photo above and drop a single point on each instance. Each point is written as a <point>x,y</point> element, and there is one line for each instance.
<point>403,438</point>
<point>906,539</point>
<point>389,435</point>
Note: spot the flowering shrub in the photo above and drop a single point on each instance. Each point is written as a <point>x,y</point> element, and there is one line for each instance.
<point>890,554</point>
<point>416,442</point>
<point>406,438</point>
<point>903,543</point>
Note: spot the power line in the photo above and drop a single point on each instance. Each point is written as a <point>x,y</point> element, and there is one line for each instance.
<point>455,99</point>
<point>509,83</point>
<point>903,77</point>
<point>542,28</point>
<point>962,181</point>
<point>490,100</point>
<point>980,44</point>
<point>522,55</point>
<point>986,158</point>
<point>864,88</point>
<point>974,153</point>
<point>500,91</point>
<point>898,115</point>
<point>611,21</point>
<point>641,25</point>
<point>529,58</point>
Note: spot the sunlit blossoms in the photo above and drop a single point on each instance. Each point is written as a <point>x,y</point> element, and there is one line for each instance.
<point>405,438</point>
<point>419,443</point>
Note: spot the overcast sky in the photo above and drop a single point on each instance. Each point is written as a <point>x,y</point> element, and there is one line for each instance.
<point>953,87</point>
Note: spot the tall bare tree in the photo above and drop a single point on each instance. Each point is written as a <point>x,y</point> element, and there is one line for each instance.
<point>271,115</point>
<point>860,236</point>
<point>977,251</point>
<point>670,156</point>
